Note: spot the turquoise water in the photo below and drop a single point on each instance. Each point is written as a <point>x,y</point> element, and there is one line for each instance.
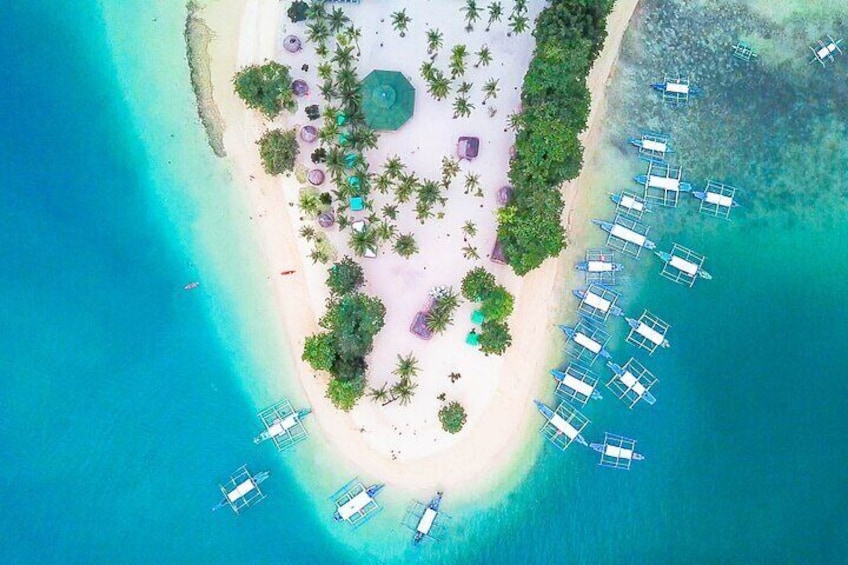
<point>126,399</point>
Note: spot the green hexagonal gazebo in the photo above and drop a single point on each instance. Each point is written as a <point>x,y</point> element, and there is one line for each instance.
<point>388,99</point>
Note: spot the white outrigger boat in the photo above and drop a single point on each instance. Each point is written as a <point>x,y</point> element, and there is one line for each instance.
<point>628,237</point>
<point>825,50</point>
<point>687,267</point>
<point>355,503</point>
<point>629,203</point>
<point>242,490</point>
<point>563,425</point>
<point>617,452</point>
<point>598,302</point>
<point>283,425</point>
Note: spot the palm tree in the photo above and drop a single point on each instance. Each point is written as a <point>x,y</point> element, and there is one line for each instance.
<point>363,241</point>
<point>404,390</point>
<point>382,183</point>
<point>469,228</point>
<point>464,88</point>
<point>325,71</point>
<point>517,24</point>
<point>440,315</point>
<point>462,107</point>
<point>484,57</point>
<point>316,12</point>
<point>317,32</point>
<point>378,394</point>
<point>490,89</point>
<point>495,12</point>
<point>337,20</point>
<point>400,21</point>
<point>347,80</point>
<point>328,133</point>
<point>429,193</point>
<point>450,168</point>
<point>457,61</point>
<point>385,230</point>
<point>363,138</point>
<point>520,7</point>
<point>405,245</point>
<point>515,121</point>
<point>390,211</point>
<point>472,182</point>
<point>434,40</point>
<point>472,14</point>
<point>394,167</point>
<point>407,367</point>
<point>470,252</point>
<point>321,50</point>
<point>428,71</point>
<point>354,34</point>
<point>439,87</point>
<point>319,255</point>
<point>423,211</point>
<point>328,90</point>
<point>308,233</point>
<point>342,56</point>
<point>407,185</point>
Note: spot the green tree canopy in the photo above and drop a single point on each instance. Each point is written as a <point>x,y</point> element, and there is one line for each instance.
<point>345,393</point>
<point>452,417</point>
<point>494,337</point>
<point>477,283</point>
<point>345,276</point>
<point>497,304</point>
<point>266,88</point>
<point>319,351</point>
<point>278,150</point>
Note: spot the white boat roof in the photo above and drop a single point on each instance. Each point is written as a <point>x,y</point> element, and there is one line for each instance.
<point>632,383</point>
<point>721,200</point>
<point>564,427</point>
<point>596,301</point>
<point>282,426</point>
<point>426,521</point>
<point>652,145</point>
<point>628,235</point>
<point>599,266</point>
<point>587,342</point>
<point>677,88</point>
<point>618,452</point>
<point>354,505</point>
<point>630,202</point>
<point>241,490</point>
<point>650,333</point>
<point>666,183</point>
<point>577,385</point>
<point>826,50</point>
<point>687,267</point>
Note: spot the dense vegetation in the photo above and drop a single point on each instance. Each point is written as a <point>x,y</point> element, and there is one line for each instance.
<point>555,100</point>
<point>452,417</point>
<point>496,304</point>
<point>350,323</point>
<point>278,150</point>
<point>266,88</point>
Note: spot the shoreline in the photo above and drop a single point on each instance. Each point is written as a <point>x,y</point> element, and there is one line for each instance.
<point>482,457</point>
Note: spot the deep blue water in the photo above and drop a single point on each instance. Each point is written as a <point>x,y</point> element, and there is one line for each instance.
<point>124,397</point>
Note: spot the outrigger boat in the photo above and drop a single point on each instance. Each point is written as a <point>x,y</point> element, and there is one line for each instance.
<point>243,490</point>
<point>630,383</point>
<point>282,426</point>
<point>578,389</point>
<point>617,452</point>
<point>191,285</point>
<point>599,447</point>
<point>625,233</point>
<point>675,91</point>
<point>598,302</point>
<point>629,203</point>
<point>598,267</point>
<point>425,524</point>
<point>687,267</point>
<point>665,183</point>
<point>647,332</point>
<point>715,199</point>
<point>563,427</point>
<point>652,146</point>
<point>825,50</point>
<point>357,505</point>
<point>586,342</point>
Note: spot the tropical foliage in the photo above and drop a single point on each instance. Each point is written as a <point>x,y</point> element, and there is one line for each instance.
<point>266,88</point>
<point>278,150</point>
<point>344,394</point>
<point>400,21</point>
<point>440,315</point>
<point>452,417</point>
<point>497,304</point>
<point>405,245</point>
<point>297,11</point>
<point>345,276</point>
<point>494,337</point>
<point>569,35</point>
<point>406,367</point>
<point>477,284</point>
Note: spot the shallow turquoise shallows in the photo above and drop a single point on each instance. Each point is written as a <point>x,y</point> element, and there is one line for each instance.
<point>126,399</point>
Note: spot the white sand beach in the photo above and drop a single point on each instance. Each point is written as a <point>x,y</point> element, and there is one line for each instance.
<point>404,446</point>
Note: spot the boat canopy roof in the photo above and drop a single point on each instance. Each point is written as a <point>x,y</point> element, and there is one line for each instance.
<point>576,384</point>
<point>632,383</point>
<point>629,202</point>
<point>242,489</point>
<point>677,88</point>
<point>427,521</point>
<point>600,266</point>
<point>651,145</point>
<point>354,505</point>
<point>564,427</point>
<point>665,183</point>
<point>687,267</point>
<point>650,333</point>
<point>596,301</point>
<point>826,50</point>
<point>718,199</point>
<point>618,452</point>
<point>587,342</point>
<point>282,426</point>
<point>627,234</point>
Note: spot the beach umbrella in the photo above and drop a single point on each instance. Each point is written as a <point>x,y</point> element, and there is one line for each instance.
<point>300,88</point>
<point>326,219</point>
<point>308,134</point>
<point>315,177</point>
<point>388,99</point>
<point>292,44</point>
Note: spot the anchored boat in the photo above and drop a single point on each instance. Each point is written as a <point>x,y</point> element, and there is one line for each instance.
<point>682,270</point>
<point>617,452</point>
<point>652,146</point>
<point>628,236</point>
<point>242,490</point>
<point>563,425</point>
<point>647,332</point>
<point>632,382</point>
<point>598,302</point>
<point>629,204</point>
<point>356,504</point>
<point>589,341</point>
<point>676,90</point>
<point>825,50</point>
<point>283,425</point>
